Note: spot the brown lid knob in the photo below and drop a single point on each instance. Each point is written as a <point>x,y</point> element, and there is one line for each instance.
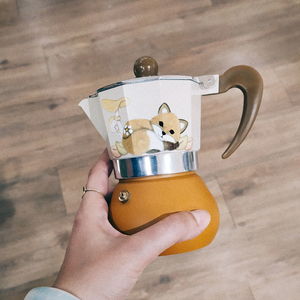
<point>145,66</point>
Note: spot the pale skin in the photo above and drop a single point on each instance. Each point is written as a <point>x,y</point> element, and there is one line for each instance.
<point>102,263</point>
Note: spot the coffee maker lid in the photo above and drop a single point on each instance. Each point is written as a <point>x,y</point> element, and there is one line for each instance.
<point>146,69</point>
<point>147,79</point>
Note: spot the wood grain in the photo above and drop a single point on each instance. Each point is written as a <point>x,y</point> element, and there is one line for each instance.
<point>54,53</point>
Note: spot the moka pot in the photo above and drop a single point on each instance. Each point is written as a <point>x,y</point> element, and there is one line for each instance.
<point>152,126</point>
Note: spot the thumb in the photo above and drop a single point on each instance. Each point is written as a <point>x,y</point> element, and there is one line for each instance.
<point>177,227</point>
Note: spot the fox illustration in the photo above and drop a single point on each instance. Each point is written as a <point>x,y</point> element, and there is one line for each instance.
<point>162,132</point>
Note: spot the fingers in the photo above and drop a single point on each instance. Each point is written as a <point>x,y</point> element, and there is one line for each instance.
<point>93,206</point>
<point>99,173</point>
<point>175,228</point>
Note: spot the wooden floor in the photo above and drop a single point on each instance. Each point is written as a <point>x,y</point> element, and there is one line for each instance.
<point>54,53</point>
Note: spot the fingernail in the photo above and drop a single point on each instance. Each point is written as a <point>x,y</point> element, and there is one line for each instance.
<point>202,218</point>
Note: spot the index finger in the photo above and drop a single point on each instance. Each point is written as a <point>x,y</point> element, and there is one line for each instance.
<point>99,173</point>
<point>93,205</point>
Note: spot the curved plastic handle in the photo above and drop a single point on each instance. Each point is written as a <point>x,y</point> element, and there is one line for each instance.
<point>249,81</point>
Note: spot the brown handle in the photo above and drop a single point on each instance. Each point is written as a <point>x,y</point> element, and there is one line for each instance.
<point>249,81</point>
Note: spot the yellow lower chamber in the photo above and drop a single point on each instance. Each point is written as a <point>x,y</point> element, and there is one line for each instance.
<point>140,202</point>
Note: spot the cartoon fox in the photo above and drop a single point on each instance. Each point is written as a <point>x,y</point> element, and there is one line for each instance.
<point>162,132</point>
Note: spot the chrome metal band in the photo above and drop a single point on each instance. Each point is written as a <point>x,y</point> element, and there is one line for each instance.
<point>156,164</point>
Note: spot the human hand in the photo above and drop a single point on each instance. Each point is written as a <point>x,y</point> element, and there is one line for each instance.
<point>101,262</point>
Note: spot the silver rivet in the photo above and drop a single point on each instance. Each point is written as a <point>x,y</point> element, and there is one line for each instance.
<point>124,196</point>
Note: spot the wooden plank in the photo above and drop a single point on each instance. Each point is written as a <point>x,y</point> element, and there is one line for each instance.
<point>8,11</point>
<point>272,133</point>
<point>264,201</point>
<point>28,202</point>
<point>54,53</point>
<point>21,265</point>
<point>289,74</point>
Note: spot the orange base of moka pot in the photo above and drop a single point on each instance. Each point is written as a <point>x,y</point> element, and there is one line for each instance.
<point>140,202</point>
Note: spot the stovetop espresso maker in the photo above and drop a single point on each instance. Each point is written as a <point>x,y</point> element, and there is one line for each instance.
<point>152,128</point>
